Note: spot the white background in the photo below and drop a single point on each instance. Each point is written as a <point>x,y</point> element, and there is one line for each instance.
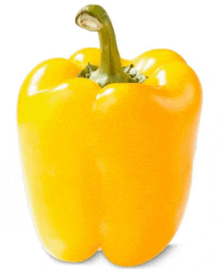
<point>33,31</point>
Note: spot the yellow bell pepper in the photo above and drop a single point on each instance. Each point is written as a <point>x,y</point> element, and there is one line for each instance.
<point>107,148</point>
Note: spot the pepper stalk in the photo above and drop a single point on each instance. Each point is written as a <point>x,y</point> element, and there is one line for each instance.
<point>95,18</point>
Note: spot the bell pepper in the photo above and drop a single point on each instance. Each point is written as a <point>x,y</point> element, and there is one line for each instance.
<point>107,148</point>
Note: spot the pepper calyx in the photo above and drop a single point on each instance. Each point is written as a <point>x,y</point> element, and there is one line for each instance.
<point>135,76</point>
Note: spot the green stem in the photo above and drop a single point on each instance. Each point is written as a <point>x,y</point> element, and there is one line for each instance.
<point>95,18</point>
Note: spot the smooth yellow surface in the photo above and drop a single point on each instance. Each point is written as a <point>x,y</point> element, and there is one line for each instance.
<point>108,168</point>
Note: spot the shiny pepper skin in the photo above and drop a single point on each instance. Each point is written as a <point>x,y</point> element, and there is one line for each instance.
<point>108,167</point>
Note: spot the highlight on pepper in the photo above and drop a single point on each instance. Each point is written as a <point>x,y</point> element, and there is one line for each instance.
<point>107,148</point>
